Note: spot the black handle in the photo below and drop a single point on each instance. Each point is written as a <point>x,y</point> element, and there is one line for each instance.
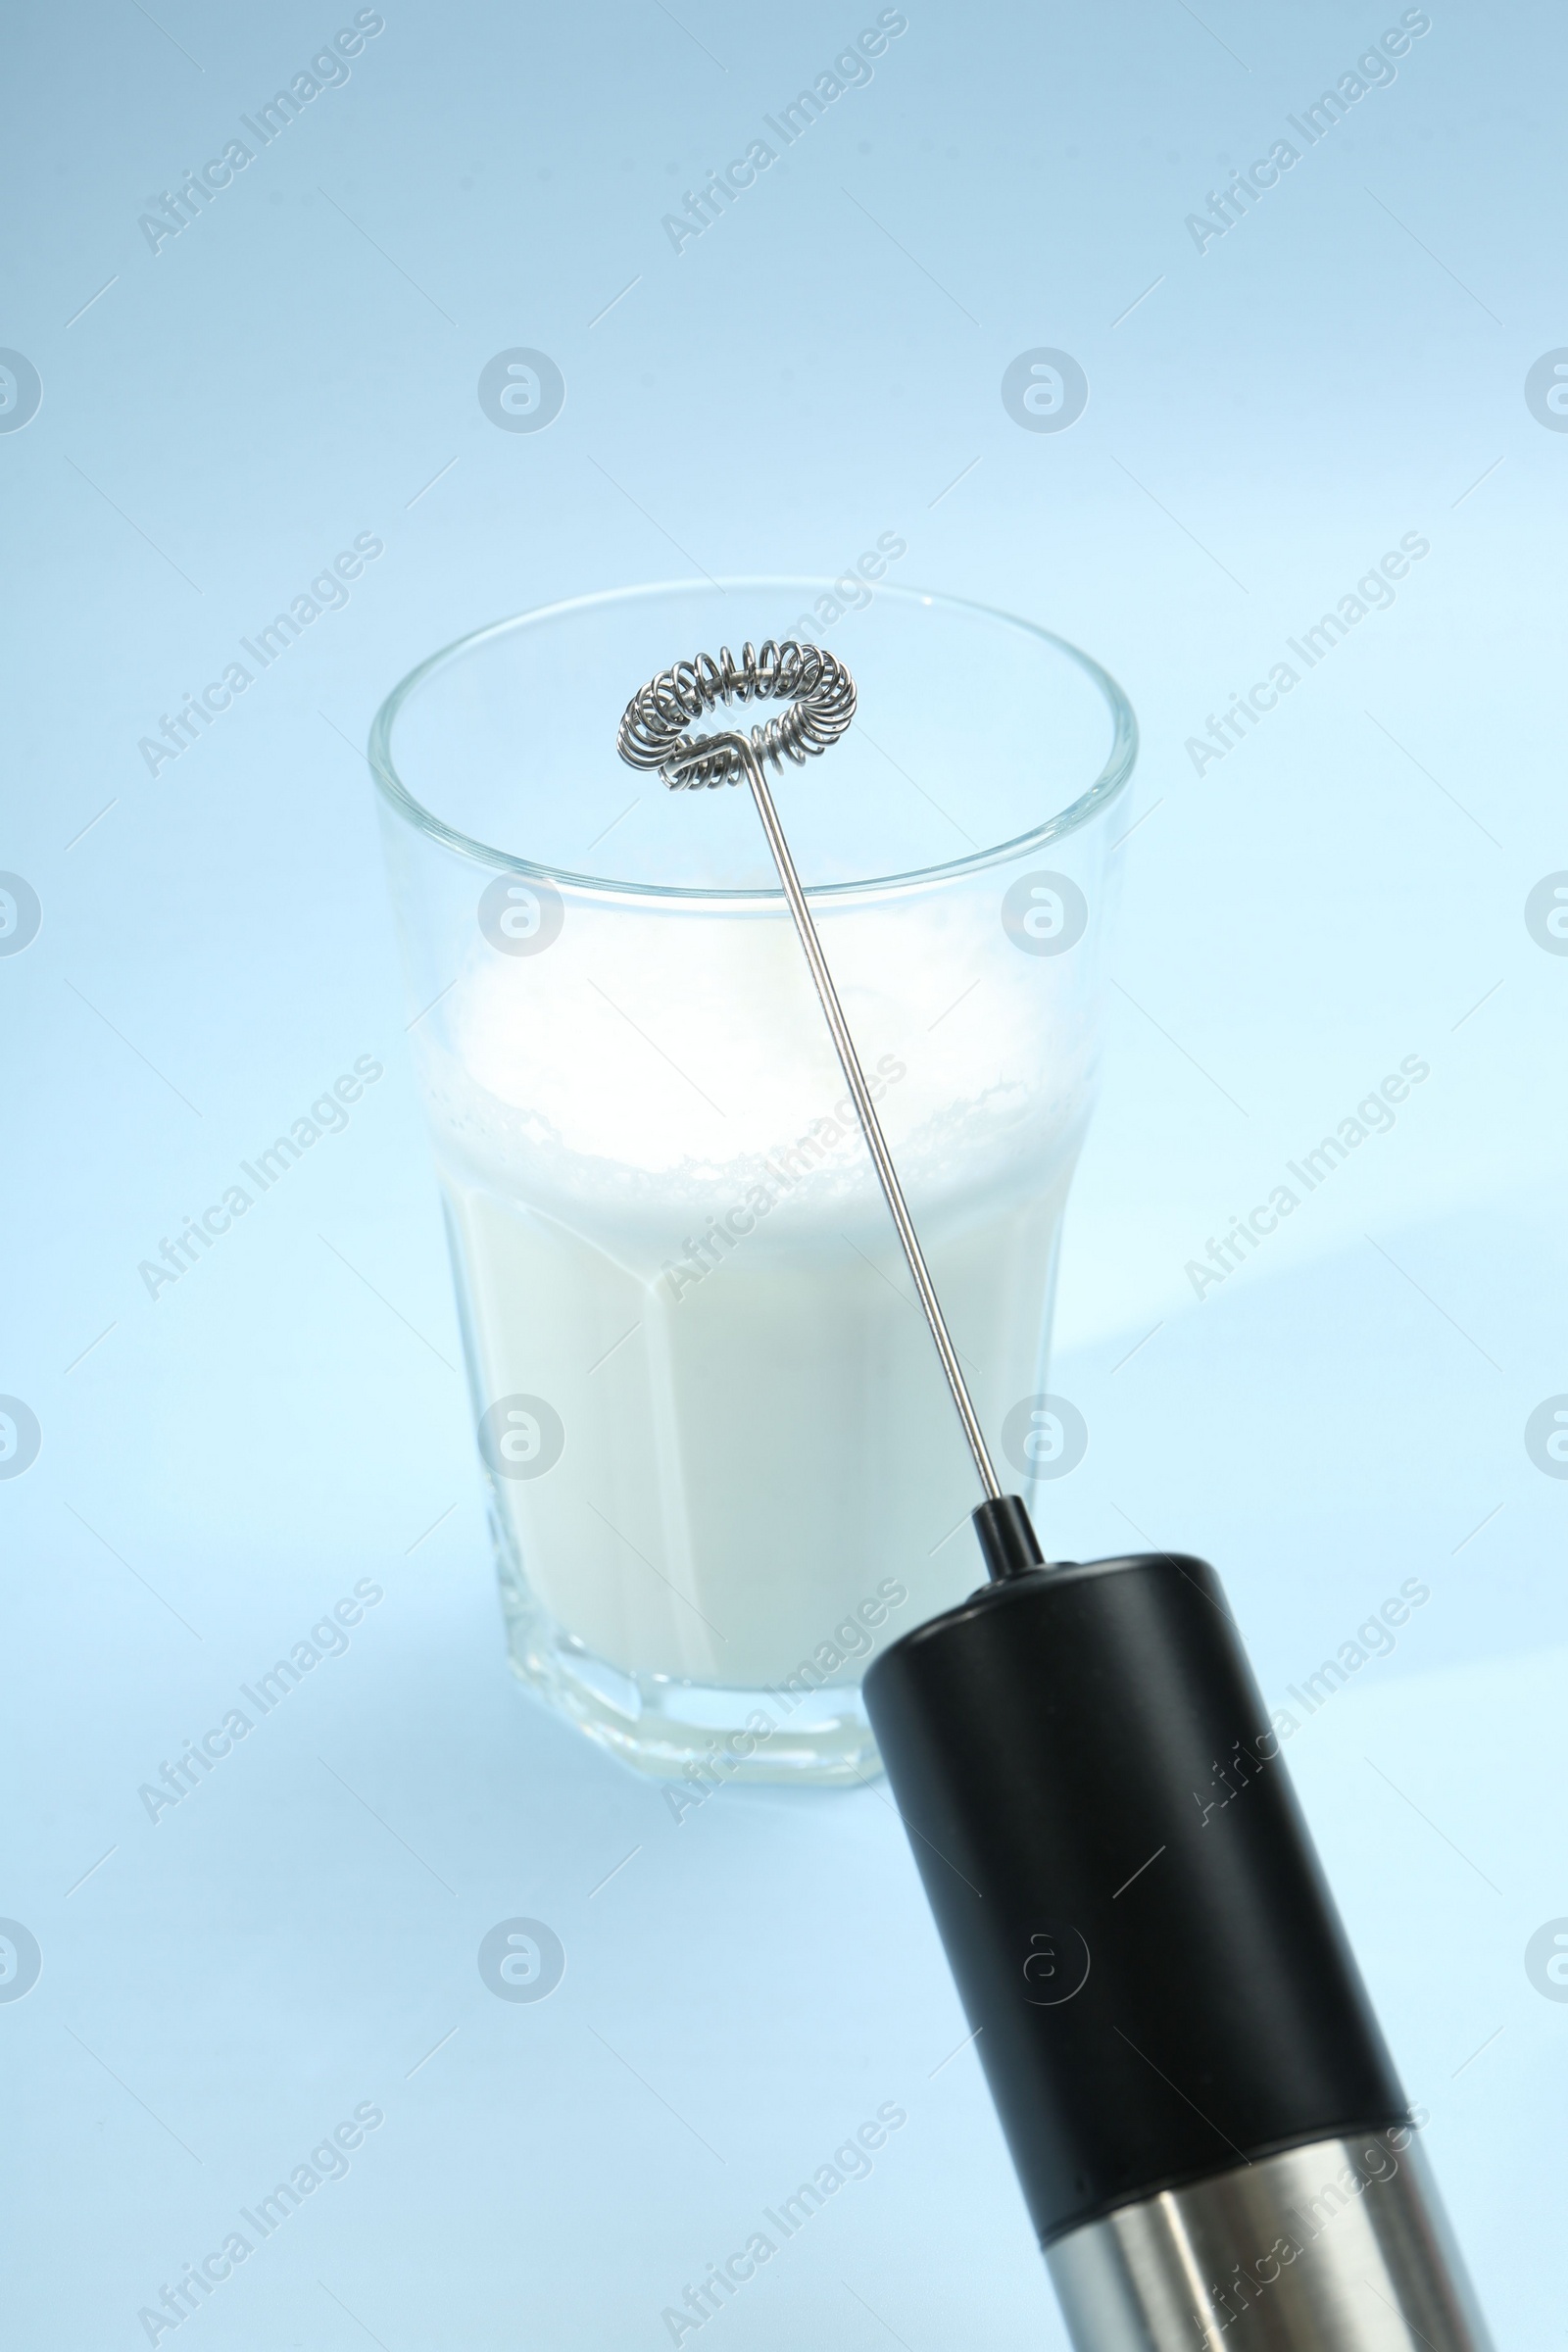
<point>1129,1898</point>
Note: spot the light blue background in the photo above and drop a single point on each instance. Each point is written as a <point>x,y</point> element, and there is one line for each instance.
<point>1346,887</point>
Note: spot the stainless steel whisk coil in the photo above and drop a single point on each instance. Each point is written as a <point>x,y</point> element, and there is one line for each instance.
<point>655,733</point>
<point>656,728</point>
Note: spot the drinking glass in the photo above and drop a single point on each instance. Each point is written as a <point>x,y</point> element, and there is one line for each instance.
<point>722,1464</point>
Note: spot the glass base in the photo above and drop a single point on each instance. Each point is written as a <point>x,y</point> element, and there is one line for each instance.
<point>698,1735</point>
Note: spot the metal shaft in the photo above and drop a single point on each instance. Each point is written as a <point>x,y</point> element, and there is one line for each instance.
<point>871,1125</point>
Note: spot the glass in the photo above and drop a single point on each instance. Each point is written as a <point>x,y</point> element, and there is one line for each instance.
<point>722,1463</point>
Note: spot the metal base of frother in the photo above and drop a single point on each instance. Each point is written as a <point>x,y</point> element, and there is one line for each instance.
<point>1339,2246</point>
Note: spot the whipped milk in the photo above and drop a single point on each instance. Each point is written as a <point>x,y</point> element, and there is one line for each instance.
<point>668,1231</point>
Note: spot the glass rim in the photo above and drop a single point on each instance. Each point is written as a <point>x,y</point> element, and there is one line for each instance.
<point>1111,779</point>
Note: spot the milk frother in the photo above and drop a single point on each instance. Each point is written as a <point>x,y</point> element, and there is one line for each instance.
<point>1211,2140</point>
